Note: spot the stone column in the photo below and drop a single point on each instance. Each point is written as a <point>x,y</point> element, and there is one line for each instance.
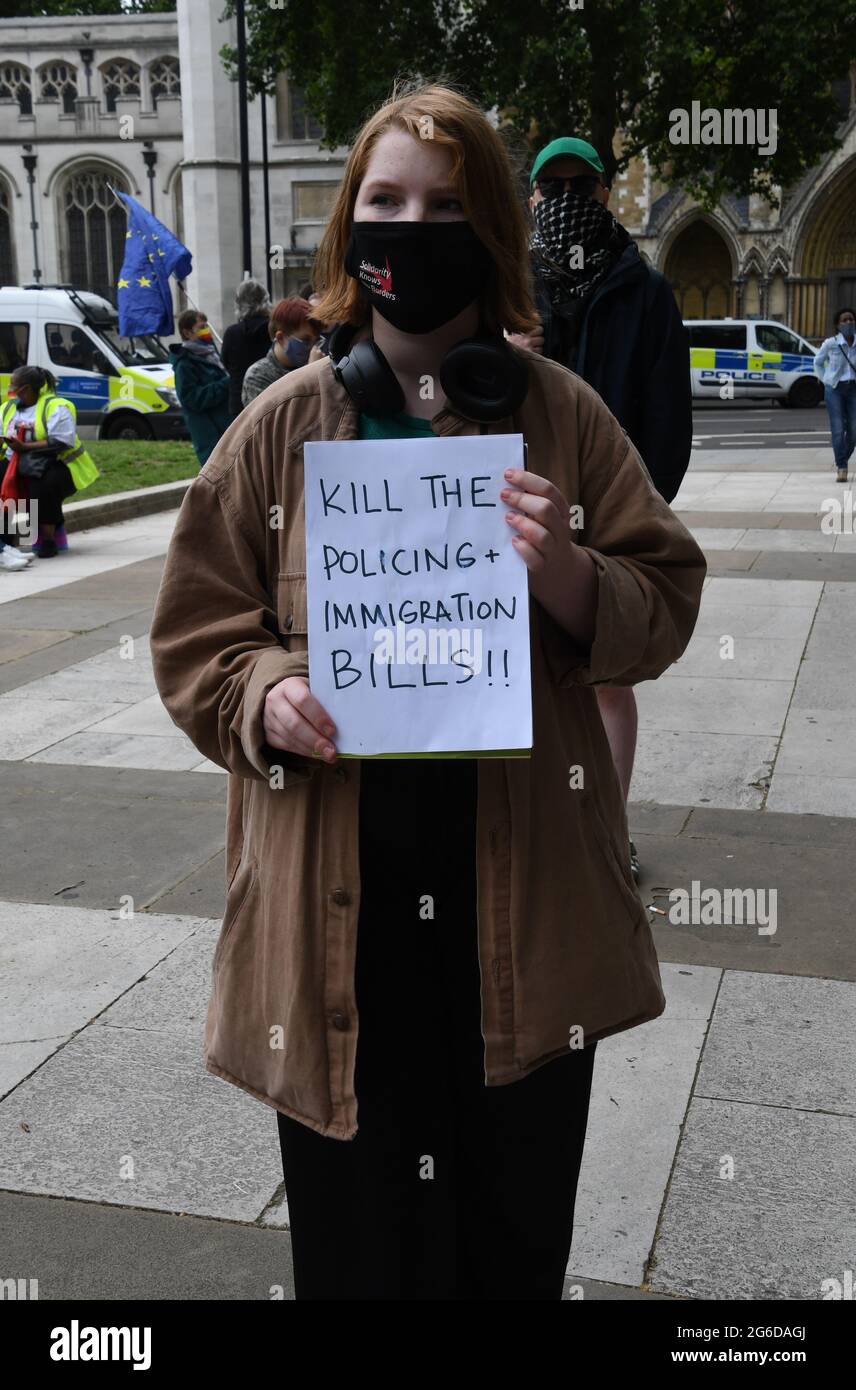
<point>210,181</point>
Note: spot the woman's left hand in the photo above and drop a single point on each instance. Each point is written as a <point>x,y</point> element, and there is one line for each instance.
<point>562,577</point>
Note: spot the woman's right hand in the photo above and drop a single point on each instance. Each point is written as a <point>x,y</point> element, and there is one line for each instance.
<point>294,720</point>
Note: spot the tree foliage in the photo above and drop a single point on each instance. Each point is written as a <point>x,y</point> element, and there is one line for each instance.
<point>553,69</point>
<point>38,9</point>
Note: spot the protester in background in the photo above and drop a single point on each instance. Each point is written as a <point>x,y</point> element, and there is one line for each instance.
<point>835,364</point>
<point>292,334</point>
<point>45,461</point>
<point>468,1039</point>
<point>613,320</point>
<point>201,382</point>
<point>246,341</point>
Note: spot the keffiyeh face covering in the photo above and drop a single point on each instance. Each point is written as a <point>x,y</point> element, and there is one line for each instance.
<point>565,225</point>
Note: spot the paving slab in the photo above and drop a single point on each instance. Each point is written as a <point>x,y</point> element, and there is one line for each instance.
<point>61,966</point>
<point>821,832</point>
<point>754,658</point>
<point>131,1117</point>
<point>173,995</point>
<point>627,1158</point>
<point>96,749</point>
<point>738,617</point>
<point>105,833</point>
<point>793,566</point>
<point>80,683</point>
<point>783,1041</point>
<point>790,539</point>
<point>146,716</point>
<point>687,704</point>
<point>813,905</point>
<point>806,795</point>
<point>14,643</point>
<point>202,893</point>
<point>75,615</point>
<point>702,769</point>
<point>785,1221</point>
<point>817,742</point>
<point>89,1251</point>
<point>29,724</point>
<point>725,563</point>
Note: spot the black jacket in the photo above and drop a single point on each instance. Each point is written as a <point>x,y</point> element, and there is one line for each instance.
<point>633,349</point>
<point>244,343</point>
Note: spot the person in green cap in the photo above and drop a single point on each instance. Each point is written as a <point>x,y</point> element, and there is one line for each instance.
<point>612,319</point>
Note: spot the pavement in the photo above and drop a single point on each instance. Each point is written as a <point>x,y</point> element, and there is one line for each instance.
<point>720,1154</point>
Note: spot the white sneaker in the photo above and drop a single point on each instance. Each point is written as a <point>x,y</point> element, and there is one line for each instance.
<point>12,559</point>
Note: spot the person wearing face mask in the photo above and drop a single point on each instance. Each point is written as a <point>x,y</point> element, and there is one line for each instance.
<point>292,335</point>
<point>42,460</point>
<point>835,364</point>
<point>201,382</point>
<point>431,1078</point>
<point>246,341</point>
<point>613,320</point>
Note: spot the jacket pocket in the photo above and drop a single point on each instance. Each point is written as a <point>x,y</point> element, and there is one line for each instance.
<point>291,608</point>
<point>621,876</point>
<point>240,890</point>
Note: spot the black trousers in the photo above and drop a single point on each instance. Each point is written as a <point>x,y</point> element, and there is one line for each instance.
<point>450,1189</point>
<point>48,491</point>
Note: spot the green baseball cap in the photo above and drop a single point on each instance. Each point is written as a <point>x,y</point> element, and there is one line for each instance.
<point>580,149</point>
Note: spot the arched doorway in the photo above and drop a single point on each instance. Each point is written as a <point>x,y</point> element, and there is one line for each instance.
<point>698,267</point>
<point>828,262</point>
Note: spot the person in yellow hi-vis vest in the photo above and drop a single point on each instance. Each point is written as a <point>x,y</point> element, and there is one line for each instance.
<point>45,460</point>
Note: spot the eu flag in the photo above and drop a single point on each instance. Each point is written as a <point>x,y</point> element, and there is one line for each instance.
<point>152,254</point>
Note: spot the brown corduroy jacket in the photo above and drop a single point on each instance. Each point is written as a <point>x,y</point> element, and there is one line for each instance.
<point>564,940</point>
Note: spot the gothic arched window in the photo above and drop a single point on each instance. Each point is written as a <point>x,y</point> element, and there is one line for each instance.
<point>59,83</point>
<point>120,78</point>
<point>165,79</point>
<point>15,86</point>
<point>93,225</point>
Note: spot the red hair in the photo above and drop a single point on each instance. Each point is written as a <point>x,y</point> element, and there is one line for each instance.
<point>287,315</point>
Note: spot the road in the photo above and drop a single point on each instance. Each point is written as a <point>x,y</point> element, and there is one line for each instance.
<point>757,425</point>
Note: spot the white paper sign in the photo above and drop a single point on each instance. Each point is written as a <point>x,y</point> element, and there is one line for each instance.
<point>418,602</point>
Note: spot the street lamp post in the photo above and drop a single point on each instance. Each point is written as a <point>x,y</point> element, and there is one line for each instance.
<point>266,191</point>
<point>150,159</point>
<point>30,166</point>
<point>246,250</point>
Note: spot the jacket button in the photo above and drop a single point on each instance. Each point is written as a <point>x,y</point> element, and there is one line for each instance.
<point>340,1022</point>
<point>341,896</point>
<point>289,622</point>
<point>340,774</point>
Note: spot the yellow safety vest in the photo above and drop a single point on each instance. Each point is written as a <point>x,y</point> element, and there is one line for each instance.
<point>80,464</point>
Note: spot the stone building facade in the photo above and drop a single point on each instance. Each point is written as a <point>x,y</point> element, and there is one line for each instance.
<point>141,102</point>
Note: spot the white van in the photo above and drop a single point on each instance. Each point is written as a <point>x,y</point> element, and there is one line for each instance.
<point>122,388</point>
<point>762,359</point>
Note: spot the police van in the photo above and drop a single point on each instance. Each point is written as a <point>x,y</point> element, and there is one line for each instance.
<point>760,358</point>
<point>122,388</point>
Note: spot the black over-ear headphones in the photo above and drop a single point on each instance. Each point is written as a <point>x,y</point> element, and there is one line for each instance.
<point>481,377</point>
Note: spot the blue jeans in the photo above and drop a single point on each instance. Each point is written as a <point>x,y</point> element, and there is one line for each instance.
<point>841,404</point>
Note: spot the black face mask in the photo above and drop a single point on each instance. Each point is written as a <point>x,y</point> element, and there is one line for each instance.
<point>418,275</point>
